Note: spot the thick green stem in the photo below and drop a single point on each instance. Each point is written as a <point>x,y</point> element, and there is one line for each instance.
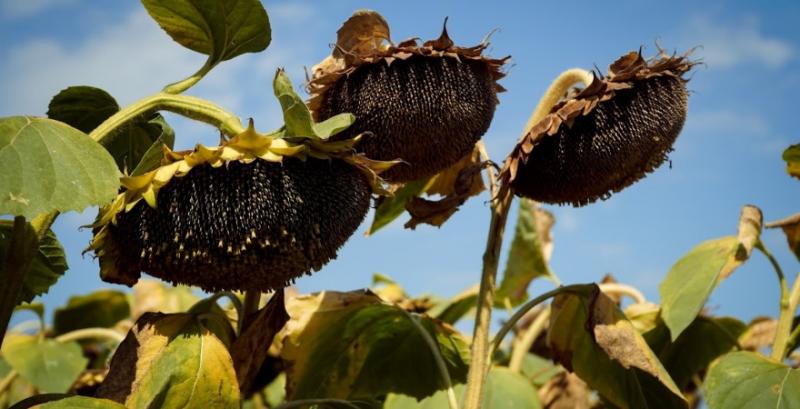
<point>784,328</point>
<point>190,107</point>
<point>252,299</point>
<point>491,257</point>
<point>16,264</point>
<point>86,333</point>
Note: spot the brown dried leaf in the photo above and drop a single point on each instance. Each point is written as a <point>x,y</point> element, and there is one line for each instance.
<point>565,391</point>
<point>749,235</point>
<point>250,350</point>
<point>362,34</point>
<point>760,333</point>
<point>443,42</point>
<point>791,228</point>
<point>446,182</point>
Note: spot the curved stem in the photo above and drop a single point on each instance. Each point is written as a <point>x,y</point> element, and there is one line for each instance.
<point>494,242</point>
<point>102,333</point>
<point>184,84</point>
<point>528,338</point>
<point>437,356</point>
<point>7,380</point>
<point>190,107</point>
<point>556,91</point>
<point>779,345</point>
<point>623,289</point>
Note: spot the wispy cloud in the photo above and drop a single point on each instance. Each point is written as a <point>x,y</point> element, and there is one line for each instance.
<point>739,42</point>
<point>27,8</point>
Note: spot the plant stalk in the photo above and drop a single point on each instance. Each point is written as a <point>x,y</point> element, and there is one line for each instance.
<point>528,338</point>
<point>480,341</point>
<point>85,333</point>
<point>252,299</point>
<point>786,315</point>
<point>190,107</point>
<point>184,84</point>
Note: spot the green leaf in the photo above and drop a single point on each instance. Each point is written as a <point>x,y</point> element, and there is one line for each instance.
<point>792,157</point>
<point>82,402</point>
<point>391,207</point>
<point>590,336</point>
<point>454,309</point>
<point>151,158</point>
<point>49,365</point>
<point>334,125</point>
<point>220,29</point>
<point>353,346</point>
<point>539,370</point>
<point>46,166</point>
<point>700,344</point>
<point>743,380</point>
<point>48,265</point>
<point>248,352</point>
<point>85,108</point>
<point>155,296</point>
<point>689,283</point>
<point>36,308</point>
<point>178,363</point>
<point>102,308</point>
<point>529,254</point>
<point>296,115</point>
<point>82,107</point>
<point>504,390</point>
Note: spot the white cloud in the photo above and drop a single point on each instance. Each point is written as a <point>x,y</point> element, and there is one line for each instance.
<point>727,45</point>
<point>27,8</point>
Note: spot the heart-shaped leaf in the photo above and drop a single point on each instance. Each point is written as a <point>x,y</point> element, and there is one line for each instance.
<point>82,402</point>
<point>48,265</point>
<point>49,365</point>
<point>743,380</point>
<point>47,166</point>
<point>102,308</point>
<point>220,29</point>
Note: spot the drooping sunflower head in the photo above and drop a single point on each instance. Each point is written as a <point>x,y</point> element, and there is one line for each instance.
<point>601,139</point>
<point>427,105</point>
<point>254,213</point>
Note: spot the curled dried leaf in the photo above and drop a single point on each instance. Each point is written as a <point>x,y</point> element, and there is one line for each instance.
<point>362,34</point>
<point>750,222</point>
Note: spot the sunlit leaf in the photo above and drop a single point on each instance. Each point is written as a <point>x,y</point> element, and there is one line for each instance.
<point>220,29</point>
<point>49,365</point>
<point>334,125</point>
<point>296,115</point>
<point>102,308</point>
<point>454,309</point>
<point>539,370</point>
<point>46,166</point>
<point>173,360</point>
<point>591,336</point>
<point>354,346</point>
<point>85,108</point>
<point>504,390</point>
<point>48,265</point>
<point>792,157</point>
<point>82,402</point>
<point>529,254</point>
<point>743,380</point>
<point>155,296</point>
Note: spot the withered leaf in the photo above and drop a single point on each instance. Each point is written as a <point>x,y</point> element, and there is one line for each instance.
<point>250,350</point>
<point>791,228</point>
<point>750,222</point>
<point>565,391</point>
<point>364,32</point>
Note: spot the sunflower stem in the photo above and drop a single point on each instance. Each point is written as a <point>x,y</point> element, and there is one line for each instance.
<point>252,299</point>
<point>481,361</point>
<point>623,289</point>
<point>191,107</point>
<point>85,333</point>
<point>528,338</point>
<point>184,84</point>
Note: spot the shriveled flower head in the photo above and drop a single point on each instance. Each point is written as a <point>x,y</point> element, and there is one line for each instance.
<point>254,213</point>
<point>427,105</point>
<point>601,139</point>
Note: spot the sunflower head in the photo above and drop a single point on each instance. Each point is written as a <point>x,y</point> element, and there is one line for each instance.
<point>254,213</point>
<point>601,139</point>
<point>424,104</point>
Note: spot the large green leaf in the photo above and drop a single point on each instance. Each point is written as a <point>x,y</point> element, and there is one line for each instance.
<point>504,390</point>
<point>744,380</point>
<point>82,107</point>
<point>354,346</point>
<point>689,283</point>
<point>85,107</point>
<point>49,365</point>
<point>529,254</point>
<point>46,166</point>
<point>48,265</point>
<point>171,360</point>
<point>296,115</point>
<point>220,29</point>
<point>792,157</point>
<point>102,308</point>
<point>591,337</point>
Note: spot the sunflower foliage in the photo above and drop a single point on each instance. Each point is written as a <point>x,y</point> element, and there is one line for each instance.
<point>245,219</point>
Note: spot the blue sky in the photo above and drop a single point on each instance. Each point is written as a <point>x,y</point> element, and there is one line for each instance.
<point>742,115</point>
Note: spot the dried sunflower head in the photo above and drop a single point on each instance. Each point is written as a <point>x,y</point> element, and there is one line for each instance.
<point>426,105</point>
<point>601,139</point>
<point>254,213</point>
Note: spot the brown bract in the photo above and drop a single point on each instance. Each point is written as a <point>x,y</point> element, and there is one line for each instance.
<point>583,123</point>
